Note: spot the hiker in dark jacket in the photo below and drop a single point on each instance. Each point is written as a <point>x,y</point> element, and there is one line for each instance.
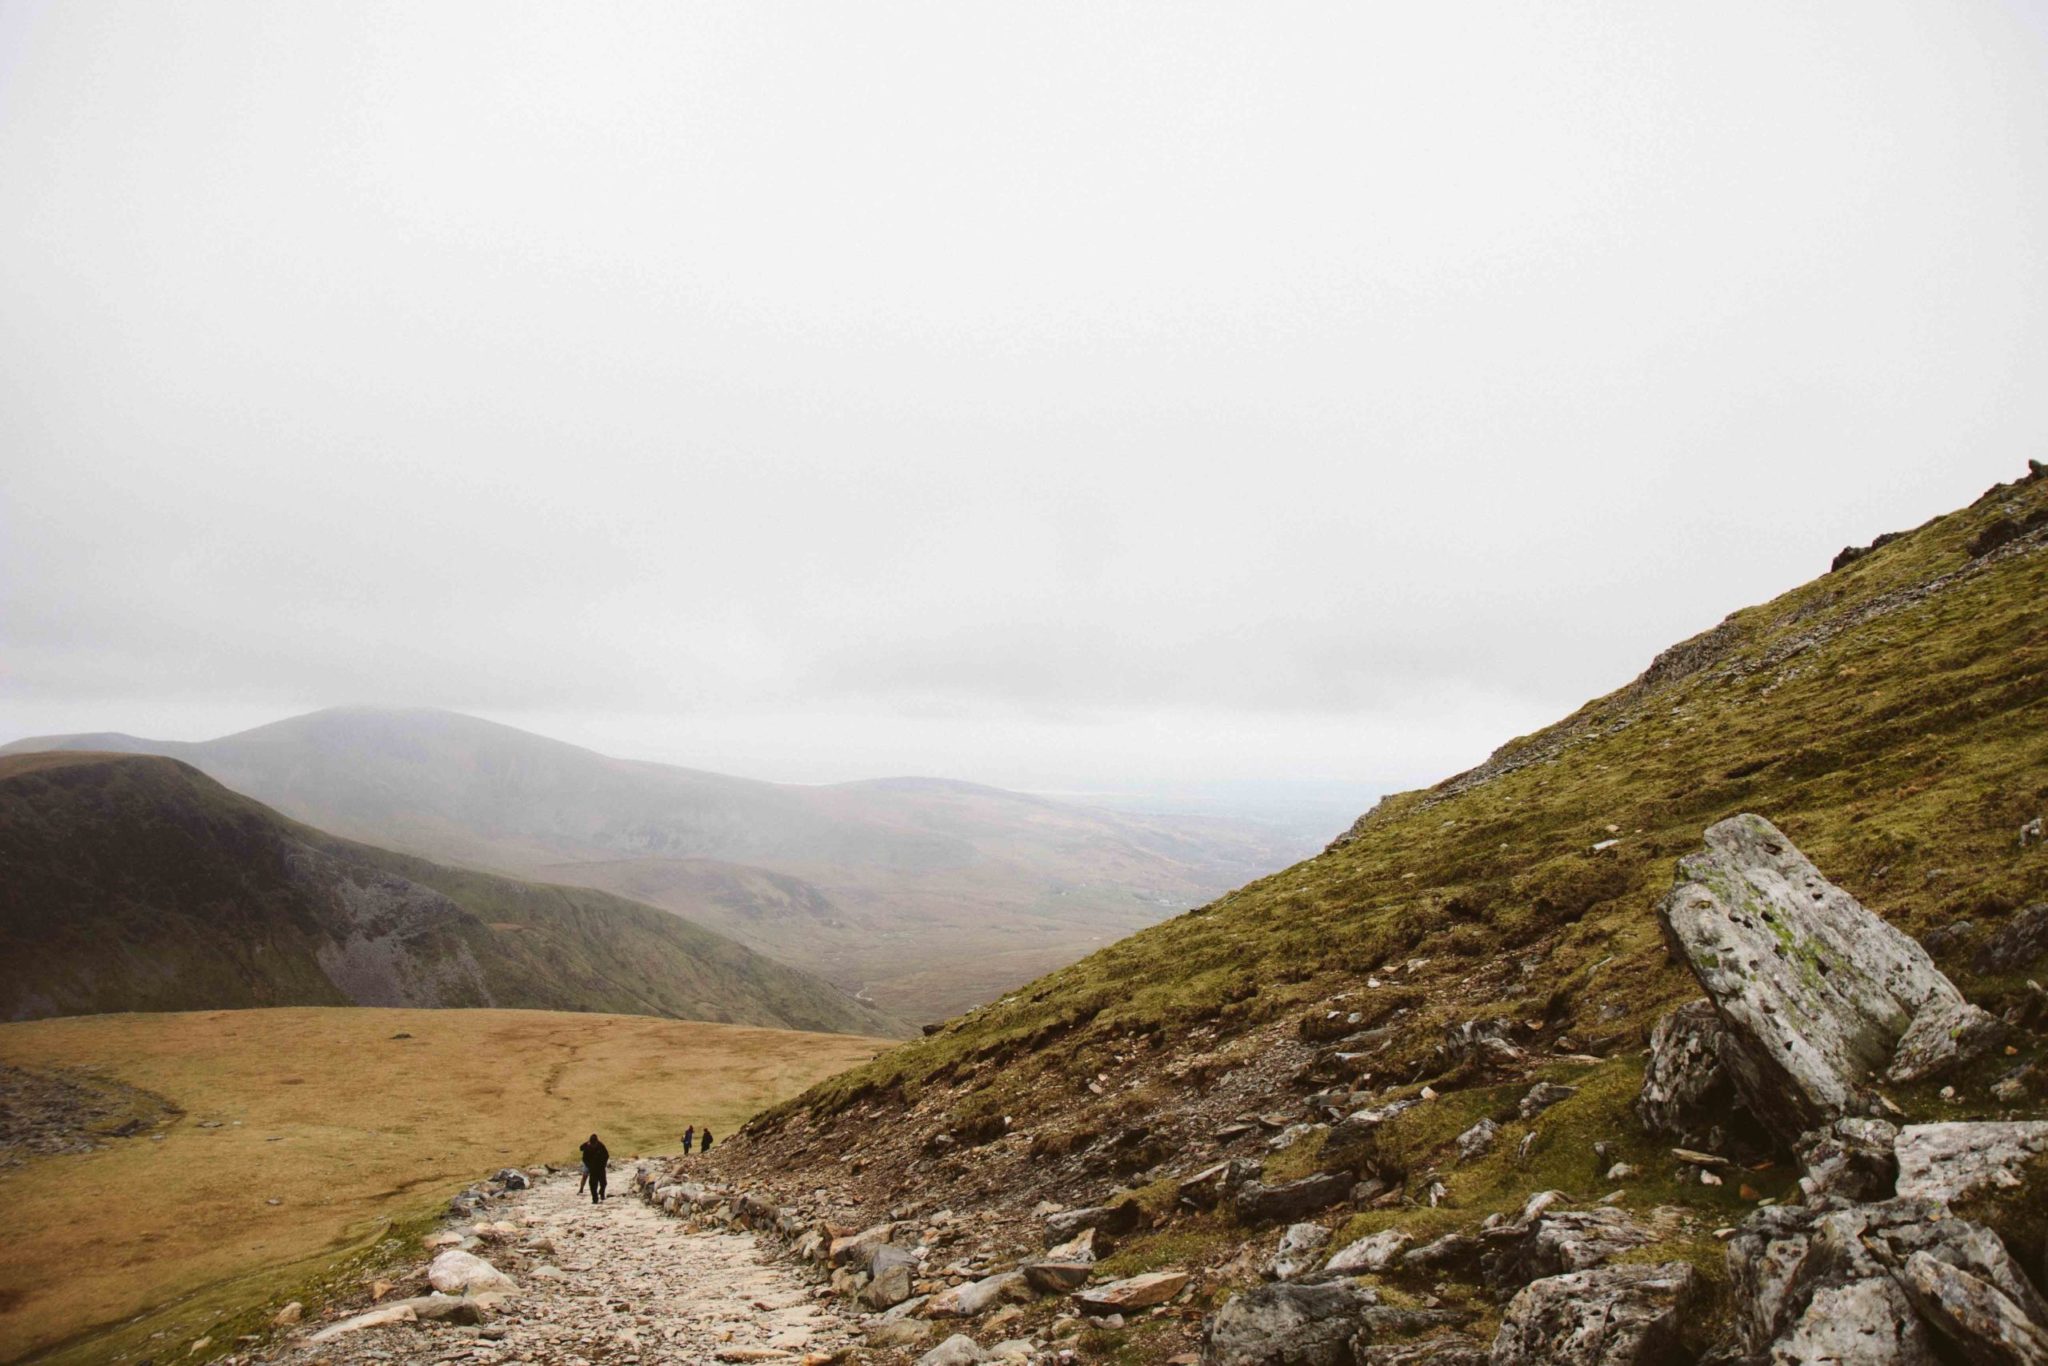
<point>704,1144</point>
<point>595,1156</point>
<point>689,1137</point>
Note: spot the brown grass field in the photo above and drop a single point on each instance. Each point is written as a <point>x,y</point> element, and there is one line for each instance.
<point>349,1128</point>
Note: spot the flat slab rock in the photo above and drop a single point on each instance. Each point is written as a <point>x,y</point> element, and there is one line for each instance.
<point>1957,1161</point>
<point>1135,1292</point>
<point>1816,990</point>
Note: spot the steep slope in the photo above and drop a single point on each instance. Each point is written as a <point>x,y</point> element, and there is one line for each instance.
<point>1498,929</point>
<point>927,896</point>
<point>137,883</point>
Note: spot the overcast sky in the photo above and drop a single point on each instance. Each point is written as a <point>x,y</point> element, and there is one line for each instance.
<point>1057,395</point>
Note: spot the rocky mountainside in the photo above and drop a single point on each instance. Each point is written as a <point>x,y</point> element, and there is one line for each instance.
<point>925,896</point>
<point>137,883</point>
<point>1705,1025</point>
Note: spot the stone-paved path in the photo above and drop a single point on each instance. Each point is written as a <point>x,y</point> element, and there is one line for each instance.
<point>617,1284</point>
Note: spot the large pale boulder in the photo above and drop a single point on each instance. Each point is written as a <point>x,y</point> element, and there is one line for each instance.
<point>455,1272</point>
<point>1816,991</point>
<point>975,1297</point>
<point>1612,1316</point>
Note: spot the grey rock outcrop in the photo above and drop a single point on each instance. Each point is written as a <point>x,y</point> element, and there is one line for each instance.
<point>1300,1249</point>
<point>1113,1220</point>
<point>958,1350</point>
<point>1258,1203</point>
<point>1374,1252</point>
<point>1613,1316</point>
<point>1955,1161</point>
<point>1815,989</point>
<point>1851,1159</point>
<point>1288,1325</point>
<point>2017,946</point>
<point>1978,1316</point>
<point>1839,1285</point>
<point>1687,1094</point>
<point>1558,1242</point>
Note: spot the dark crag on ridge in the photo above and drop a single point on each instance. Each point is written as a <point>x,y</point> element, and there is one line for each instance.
<point>137,883</point>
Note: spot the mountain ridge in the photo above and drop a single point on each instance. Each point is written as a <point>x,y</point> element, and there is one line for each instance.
<point>941,893</point>
<point>136,882</point>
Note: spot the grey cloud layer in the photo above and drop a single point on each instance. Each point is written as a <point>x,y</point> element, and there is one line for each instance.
<point>994,380</point>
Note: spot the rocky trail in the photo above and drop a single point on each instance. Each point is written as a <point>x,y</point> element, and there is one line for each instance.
<point>618,1283</point>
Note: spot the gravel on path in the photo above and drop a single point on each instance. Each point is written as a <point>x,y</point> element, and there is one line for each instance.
<point>612,1284</point>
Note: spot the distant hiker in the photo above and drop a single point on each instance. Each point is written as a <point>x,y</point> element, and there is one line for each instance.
<point>689,1137</point>
<point>595,1156</point>
<point>704,1144</point>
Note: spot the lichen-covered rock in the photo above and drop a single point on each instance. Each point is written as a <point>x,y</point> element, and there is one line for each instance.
<point>1945,1035</point>
<point>1995,1172</point>
<point>1687,1094</point>
<point>1829,1285</point>
<point>1478,1141</point>
<point>1542,1096</point>
<point>1851,1159</point>
<point>1953,1162</point>
<point>1815,990</point>
<point>1374,1252</point>
<point>1612,1316</point>
<point>1300,1248</point>
<point>1450,1350</point>
<point>1555,1243</point>
<point>1986,1323</point>
<point>1284,1324</point>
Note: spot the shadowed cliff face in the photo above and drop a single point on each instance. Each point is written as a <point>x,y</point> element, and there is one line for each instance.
<point>137,883</point>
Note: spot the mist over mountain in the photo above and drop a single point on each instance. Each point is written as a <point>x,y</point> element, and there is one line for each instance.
<point>926,895</point>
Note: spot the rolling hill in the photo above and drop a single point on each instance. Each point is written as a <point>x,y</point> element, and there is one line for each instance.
<point>1446,1011</point>
<point>923,895</point>
<point>138,883</point>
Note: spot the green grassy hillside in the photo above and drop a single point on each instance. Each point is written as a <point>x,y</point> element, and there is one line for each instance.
<point>137,883</point>
<point>1889,716</point>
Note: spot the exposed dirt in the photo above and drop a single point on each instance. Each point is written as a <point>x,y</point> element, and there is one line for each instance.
<point>48,1111</point>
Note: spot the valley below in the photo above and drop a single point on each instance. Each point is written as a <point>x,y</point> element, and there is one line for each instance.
<point>167,1171</point>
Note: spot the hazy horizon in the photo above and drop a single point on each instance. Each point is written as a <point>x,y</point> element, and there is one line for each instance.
<point>1149,399</point>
